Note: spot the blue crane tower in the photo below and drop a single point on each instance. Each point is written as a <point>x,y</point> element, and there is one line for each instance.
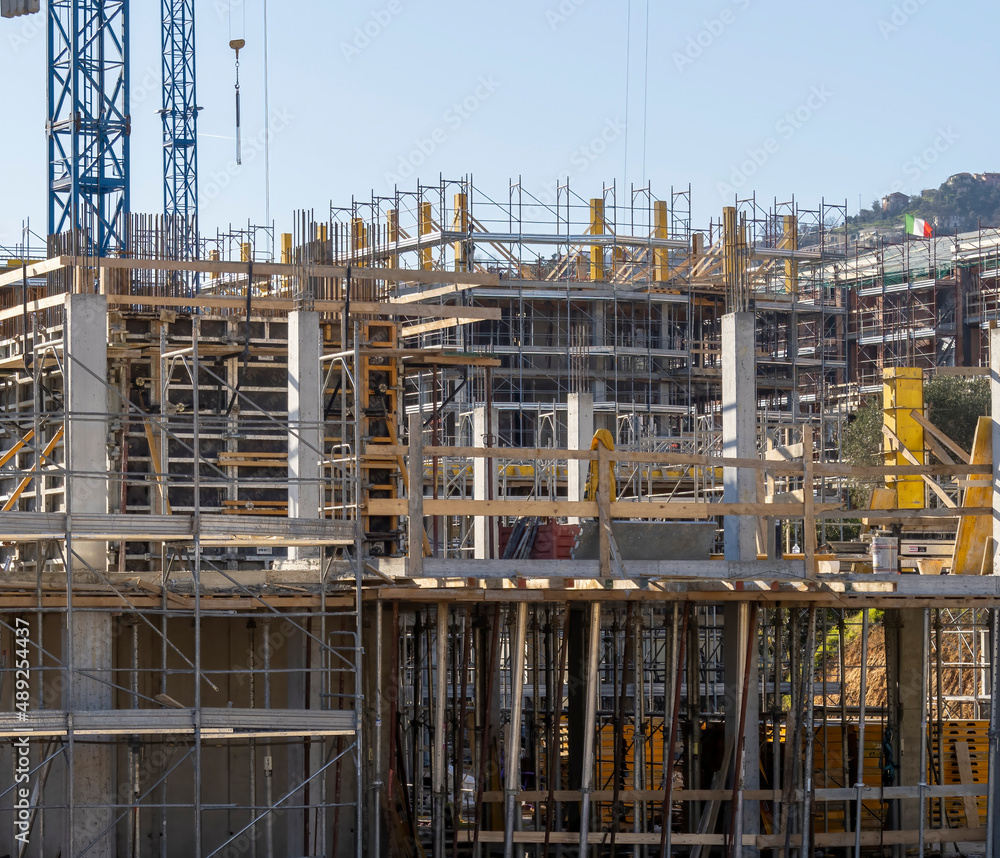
<point>180,129</point>
<point>88,126</point>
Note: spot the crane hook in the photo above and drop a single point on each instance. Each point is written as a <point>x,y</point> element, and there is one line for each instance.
<point>237,45</point>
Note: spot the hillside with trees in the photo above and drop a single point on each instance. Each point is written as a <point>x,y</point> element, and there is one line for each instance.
<point>963,202</point>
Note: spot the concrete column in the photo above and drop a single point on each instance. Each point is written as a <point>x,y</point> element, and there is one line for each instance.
<point>739,440</point>
<point>905,656</point>
<point>482,478</point>
<point>739,430</point>
<point>86,440</point>
<point>580,423</point>
<point>305,420</point>
<point>93,765</point>
<point>87,637</point>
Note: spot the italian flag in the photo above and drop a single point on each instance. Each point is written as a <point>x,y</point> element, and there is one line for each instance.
<point>918,226</point>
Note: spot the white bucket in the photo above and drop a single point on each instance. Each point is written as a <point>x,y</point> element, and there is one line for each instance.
<point>885,555</point>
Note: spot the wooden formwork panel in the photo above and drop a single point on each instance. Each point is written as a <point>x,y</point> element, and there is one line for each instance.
<point>965,759</point>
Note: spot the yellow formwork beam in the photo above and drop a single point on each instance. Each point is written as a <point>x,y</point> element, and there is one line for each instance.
<point>596,250</point>
<point>359,235</point>
<point>286,256</point>
<point>11,502</point>
<point>392,234</point>
<point>461,224</point>
<point>790,241</point>
<point>20,445</point>
<point>660,230</point>
<point>903,392</point>
<point>426,227</point>
<point>730,248</point>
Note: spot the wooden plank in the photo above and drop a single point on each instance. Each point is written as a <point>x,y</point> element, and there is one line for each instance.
<point>937,449</point>
<point>938,435</point>
<point>252,460</point>
<point>451,360</point>
<point>966,371</point>
<point>966,777</point>
<point>784,454</point>
<point>834,470</point>
<point>270,269</point>
<point>430,327</point>
<point>428,294</point>
<point>759,841</point>
<point>208,600</point>
<point>33,307</point>
<point>286,305</point>
<point>666,510</point>
<point>774,593</point>
<point>934,487</point>
<point>821,794</point>
<point>36,269</point>
<point>589,509</point>
<point>825,469</point>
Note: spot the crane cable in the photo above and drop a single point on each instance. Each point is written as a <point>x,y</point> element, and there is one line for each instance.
<point>645,96</point>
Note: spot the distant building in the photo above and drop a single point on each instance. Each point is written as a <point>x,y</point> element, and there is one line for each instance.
<point>949,222</point>
<point>894,202</point>
<point>992,179</point>
<point>960,179</point>
<point>870,237</point>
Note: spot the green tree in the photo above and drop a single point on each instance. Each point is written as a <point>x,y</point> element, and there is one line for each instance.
<point>861,447</point>
<point>954,404</point>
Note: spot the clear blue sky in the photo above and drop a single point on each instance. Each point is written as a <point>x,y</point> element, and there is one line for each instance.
<point>900,99</point>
